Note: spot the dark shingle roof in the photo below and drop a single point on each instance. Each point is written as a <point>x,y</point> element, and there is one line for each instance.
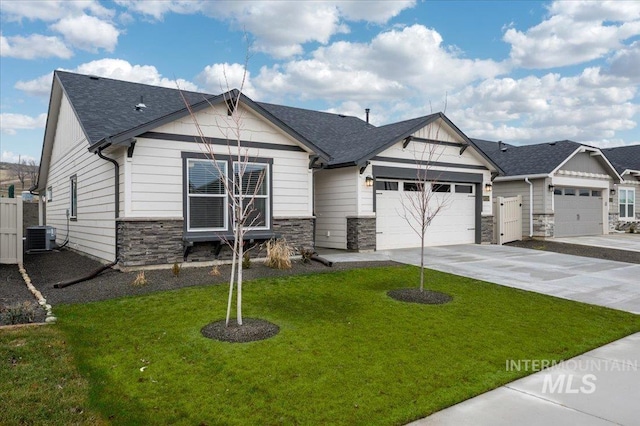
<point>356,147</point>
<point>624,157</point>
<point>106,107</point>
<point>328,131</point>
<point>528,159</point>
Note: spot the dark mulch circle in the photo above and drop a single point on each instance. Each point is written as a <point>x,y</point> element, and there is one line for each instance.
<point>414,295</point>
<point>251,330</point>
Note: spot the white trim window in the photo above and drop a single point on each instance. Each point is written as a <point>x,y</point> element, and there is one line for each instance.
<point>255,185</point>
<point>627,203</point>
<point>73,198</point>
<point>206,195</point>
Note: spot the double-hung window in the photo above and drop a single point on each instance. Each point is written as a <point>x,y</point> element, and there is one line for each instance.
<point>255,193</point>
<point>208,204</point>
<point>206,196</point>
<point>627,203</point>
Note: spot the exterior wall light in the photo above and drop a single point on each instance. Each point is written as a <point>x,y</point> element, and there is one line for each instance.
<point>368,181</point>
<point>488,187</point>
<point>612,192</point>
<point>551,188</point>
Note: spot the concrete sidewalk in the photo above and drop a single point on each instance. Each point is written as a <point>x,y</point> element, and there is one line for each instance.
<point>600,387</point>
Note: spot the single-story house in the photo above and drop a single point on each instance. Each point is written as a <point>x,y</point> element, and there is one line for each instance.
<point>565,186</point>
<point>626,160</point>
<point>126,175</point>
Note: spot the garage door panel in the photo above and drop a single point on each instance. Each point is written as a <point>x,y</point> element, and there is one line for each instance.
<point>577,215</point>
<point>454,224</point>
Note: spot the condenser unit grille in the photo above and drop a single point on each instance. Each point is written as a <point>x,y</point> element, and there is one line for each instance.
<point>40,238</point>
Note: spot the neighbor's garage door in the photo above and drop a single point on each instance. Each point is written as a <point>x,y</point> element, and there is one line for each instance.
<point>578,211</point>
<point>455,224</point>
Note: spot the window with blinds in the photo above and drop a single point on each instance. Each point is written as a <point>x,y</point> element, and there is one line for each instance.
<point>206,197</point>
<point>255,190</point>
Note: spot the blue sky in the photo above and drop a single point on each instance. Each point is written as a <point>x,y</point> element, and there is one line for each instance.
<point>518,71</point>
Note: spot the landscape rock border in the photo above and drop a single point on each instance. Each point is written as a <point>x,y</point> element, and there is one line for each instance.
<point>50,318</point>
<point>251,330</point>
<point>414,295</point>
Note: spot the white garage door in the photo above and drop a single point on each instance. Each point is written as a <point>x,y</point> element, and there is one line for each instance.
<point>578,211</point>
<point>455,224</point>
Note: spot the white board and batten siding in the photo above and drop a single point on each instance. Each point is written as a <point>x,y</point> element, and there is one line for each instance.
<point>93,231</point>
<point>336,198</point>
<point>154,176</point>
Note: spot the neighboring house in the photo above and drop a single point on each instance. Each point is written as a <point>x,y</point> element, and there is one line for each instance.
<point>565,186</point>
<point>124,170</point>
<point>624,206</point>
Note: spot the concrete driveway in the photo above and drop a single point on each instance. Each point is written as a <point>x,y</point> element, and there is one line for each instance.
<point>595,281</point>
<point>629,242</point>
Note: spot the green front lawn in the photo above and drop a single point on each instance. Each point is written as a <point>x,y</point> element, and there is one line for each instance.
<point>346,353</point>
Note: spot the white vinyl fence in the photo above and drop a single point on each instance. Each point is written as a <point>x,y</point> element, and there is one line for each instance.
<point>11,230</point>
<point>508,214</point>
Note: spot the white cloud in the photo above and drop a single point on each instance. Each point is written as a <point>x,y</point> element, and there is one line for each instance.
<point>279,28</point>
<point>373,11</point>
<point>10,157</point>
<point>118,69</point>
<point>11,123</point>
<point>158,8</point>
<point>395,64</point>
<point>218,78</point>
<point>576,32</point>
<point>626,63</point>
<point>40,86</point>
<point>102,35</point>
<point>590,106</point>
<point>33,46</point>
<point>52,10</point>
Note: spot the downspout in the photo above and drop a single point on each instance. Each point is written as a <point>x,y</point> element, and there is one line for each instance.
<point>116,170</point>
<point>530,206</point>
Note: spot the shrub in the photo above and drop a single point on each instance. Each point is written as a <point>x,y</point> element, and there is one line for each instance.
<point>18,313</point>
<point>215,271</point>
<point>306,254</point>
<point>176,269</point>
<point>278,254</point>
<point>140,280</point>
<point>246,260</point>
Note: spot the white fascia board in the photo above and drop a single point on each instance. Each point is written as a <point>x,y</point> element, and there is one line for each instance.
<point>521,177</point>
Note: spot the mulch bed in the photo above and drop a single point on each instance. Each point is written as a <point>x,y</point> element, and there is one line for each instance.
<point>251,330</point>
<point>47,269</point>
<point>579,250</point>
<point>14,292</point>
<point>414,295</point>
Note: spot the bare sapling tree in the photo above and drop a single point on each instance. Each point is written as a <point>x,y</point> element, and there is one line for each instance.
<point>20,170</point>
<point>425,201</point>
<point>242,184</point>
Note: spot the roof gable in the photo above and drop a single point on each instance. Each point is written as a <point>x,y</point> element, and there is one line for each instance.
<point>538,159</point>
<point>106,108</point>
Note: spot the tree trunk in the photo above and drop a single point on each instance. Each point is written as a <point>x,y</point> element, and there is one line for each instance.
<point>233,273</point>
<point>422,262</point>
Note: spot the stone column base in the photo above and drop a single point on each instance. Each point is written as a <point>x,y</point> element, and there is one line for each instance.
<point>361,233</point>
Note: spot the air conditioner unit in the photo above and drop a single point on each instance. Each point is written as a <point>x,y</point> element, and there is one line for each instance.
<point>41,238</point>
